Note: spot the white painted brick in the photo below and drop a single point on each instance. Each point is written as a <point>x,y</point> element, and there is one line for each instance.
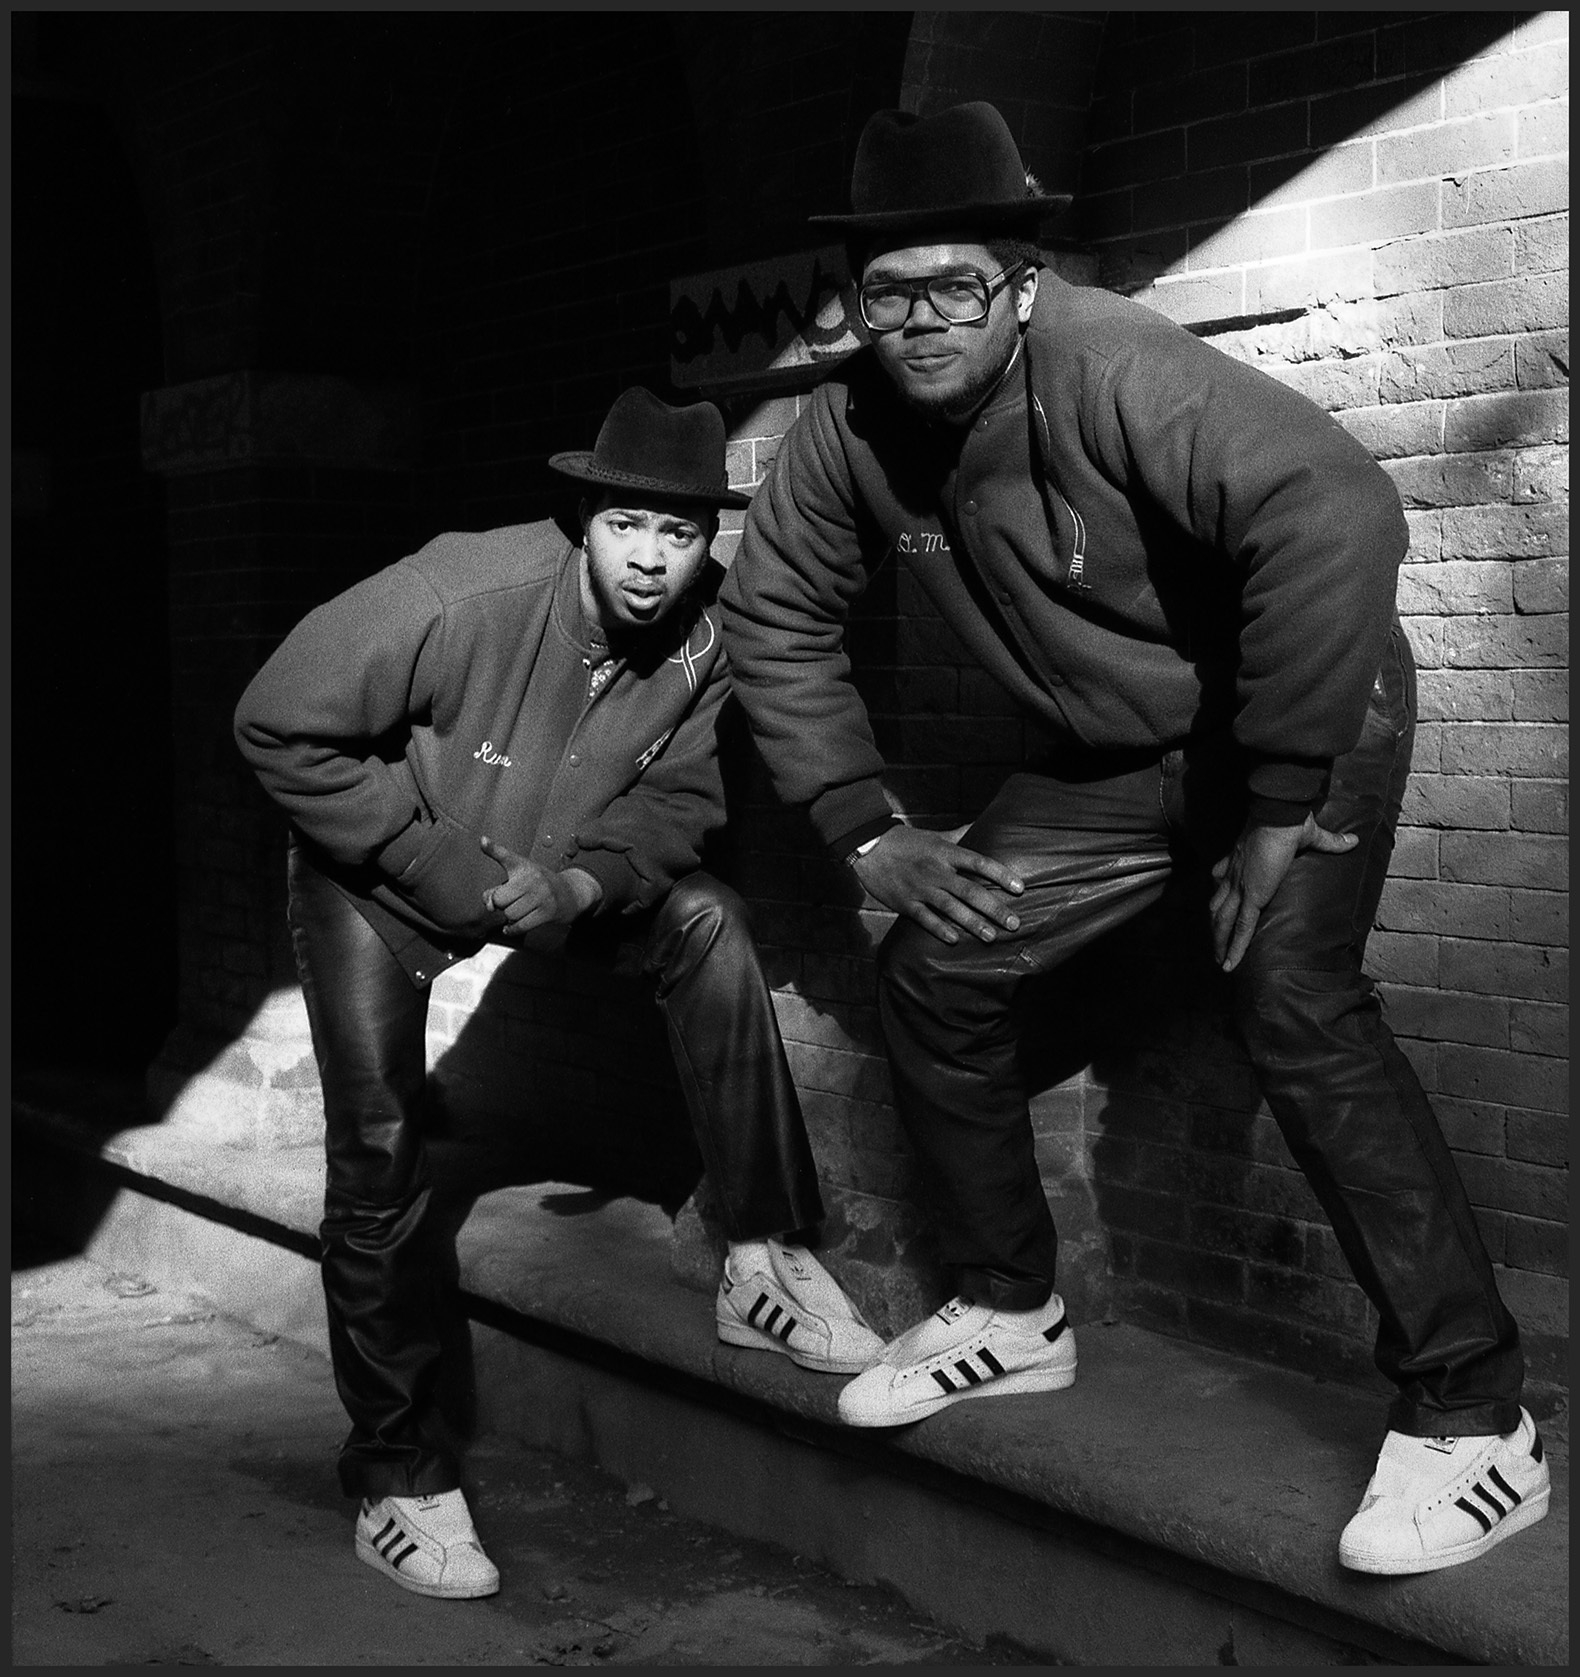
<point>1538,188</point>
<point>1447,148</point>
<point>1544,130</point>
<point>1397,429</point>
<point>1518,78</point>
<point>1541,245</point>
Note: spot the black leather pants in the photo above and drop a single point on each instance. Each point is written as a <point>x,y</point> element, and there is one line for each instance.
<point>1095,846</point>
<point>368,1022</point>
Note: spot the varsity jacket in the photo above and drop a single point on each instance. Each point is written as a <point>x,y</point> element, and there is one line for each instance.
<point>445,698</point>
<point>1139,537</point>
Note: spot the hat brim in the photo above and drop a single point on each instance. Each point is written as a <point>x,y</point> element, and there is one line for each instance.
<point>1018,214</point>
<point>580,465</point>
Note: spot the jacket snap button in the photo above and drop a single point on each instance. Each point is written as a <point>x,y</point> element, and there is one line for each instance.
<point>575,760</point>
<point>971,506</point>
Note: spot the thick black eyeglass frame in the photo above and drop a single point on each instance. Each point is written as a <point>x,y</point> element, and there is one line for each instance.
<point>919,288</point>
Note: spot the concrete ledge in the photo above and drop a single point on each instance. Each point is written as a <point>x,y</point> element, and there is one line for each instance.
<point>1224,1478</point>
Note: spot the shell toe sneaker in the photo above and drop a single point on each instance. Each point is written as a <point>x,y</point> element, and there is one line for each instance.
<point>1436,1502</point>
<point>963,1351</point>
<point>775,1297</point>
<point>427,1544</point>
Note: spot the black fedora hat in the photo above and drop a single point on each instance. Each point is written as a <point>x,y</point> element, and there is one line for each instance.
<point>645,444</point>
<point>961,167</point>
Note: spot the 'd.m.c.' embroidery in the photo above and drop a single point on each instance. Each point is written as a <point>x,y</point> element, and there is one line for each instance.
<point>922,541</point>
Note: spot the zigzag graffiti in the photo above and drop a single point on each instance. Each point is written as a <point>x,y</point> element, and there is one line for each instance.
<point>693,330</point>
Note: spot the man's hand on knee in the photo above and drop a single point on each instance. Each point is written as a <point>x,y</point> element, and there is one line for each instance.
<point>1250,874</point>
<point>534,896</point>
<point>939,884</point>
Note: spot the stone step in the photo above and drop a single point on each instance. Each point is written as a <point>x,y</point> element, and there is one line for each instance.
<point>1176,1506</point>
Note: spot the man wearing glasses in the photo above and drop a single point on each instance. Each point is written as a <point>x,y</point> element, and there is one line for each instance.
<point>1185,573</point>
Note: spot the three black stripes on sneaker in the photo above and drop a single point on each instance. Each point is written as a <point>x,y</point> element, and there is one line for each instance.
<point>767,1323</point>
<point>394,1534</point>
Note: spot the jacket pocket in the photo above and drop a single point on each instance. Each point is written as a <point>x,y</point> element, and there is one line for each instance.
<point>1391,703</point>
<point>1066,527</point>
<point>446,879</point>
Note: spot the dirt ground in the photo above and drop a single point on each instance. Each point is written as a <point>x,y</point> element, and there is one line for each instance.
<point>174,1503</point>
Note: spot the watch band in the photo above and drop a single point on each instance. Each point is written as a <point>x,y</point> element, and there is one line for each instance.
<point>866,845</point>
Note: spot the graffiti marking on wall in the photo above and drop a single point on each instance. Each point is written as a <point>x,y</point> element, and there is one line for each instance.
<point>740,325</point>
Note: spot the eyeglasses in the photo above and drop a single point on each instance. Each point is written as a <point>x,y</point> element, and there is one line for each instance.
<point>957,298</point>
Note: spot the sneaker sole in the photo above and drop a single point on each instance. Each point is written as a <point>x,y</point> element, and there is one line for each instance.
<point>1007,1385</point>
<point>754,1339</point>
<point>1527,1514</point>
<point>442,1592</point>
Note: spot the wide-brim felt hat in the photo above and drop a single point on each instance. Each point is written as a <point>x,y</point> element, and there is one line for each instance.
<point>959,168</point>
<point>646,445</point>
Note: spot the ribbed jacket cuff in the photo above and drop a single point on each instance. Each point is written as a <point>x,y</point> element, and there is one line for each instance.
<point>621,884</point>
<point>845,810</point>
<point>840,849</point>
<point>1283,794</point>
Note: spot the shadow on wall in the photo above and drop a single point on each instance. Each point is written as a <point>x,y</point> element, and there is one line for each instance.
<point>1198,118</point>
<point>562,1073</point>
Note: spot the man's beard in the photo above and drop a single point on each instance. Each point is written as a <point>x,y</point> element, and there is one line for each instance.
<point>956,407</point>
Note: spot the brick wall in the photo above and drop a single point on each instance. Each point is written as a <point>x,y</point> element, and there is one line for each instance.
<point>1375,212</point>
<point>249,549</point>
<point>1036,67</point>
<point>544,284</point>
<point>779,99</point>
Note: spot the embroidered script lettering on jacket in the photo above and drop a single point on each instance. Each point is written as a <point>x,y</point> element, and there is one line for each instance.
<point>486,753</point>
<point>924,541</point>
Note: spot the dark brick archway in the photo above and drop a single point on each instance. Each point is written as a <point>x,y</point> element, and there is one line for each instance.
<point>93,925</point>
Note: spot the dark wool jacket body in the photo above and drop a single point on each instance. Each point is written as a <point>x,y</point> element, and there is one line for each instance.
<point>1139,537</point>
<point>445,698</point>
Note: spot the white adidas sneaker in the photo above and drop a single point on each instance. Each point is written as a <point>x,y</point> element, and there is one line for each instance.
<point>427,1544</point>
<point>963,1351</point>
<point>775,1297</point>
<point>1436,1502</point>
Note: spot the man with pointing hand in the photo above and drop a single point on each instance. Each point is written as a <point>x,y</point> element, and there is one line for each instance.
<point>508,737</point>
<point>1185,573</point>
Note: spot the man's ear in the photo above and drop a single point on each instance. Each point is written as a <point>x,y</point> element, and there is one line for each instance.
<point>1025,295</point>
<point>584,513</point>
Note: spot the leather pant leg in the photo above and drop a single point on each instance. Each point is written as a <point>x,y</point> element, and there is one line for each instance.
<point>727,1049</point>
<point>1092,854</point>
<point>380,1279</point>
<point>1354,1114</point>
